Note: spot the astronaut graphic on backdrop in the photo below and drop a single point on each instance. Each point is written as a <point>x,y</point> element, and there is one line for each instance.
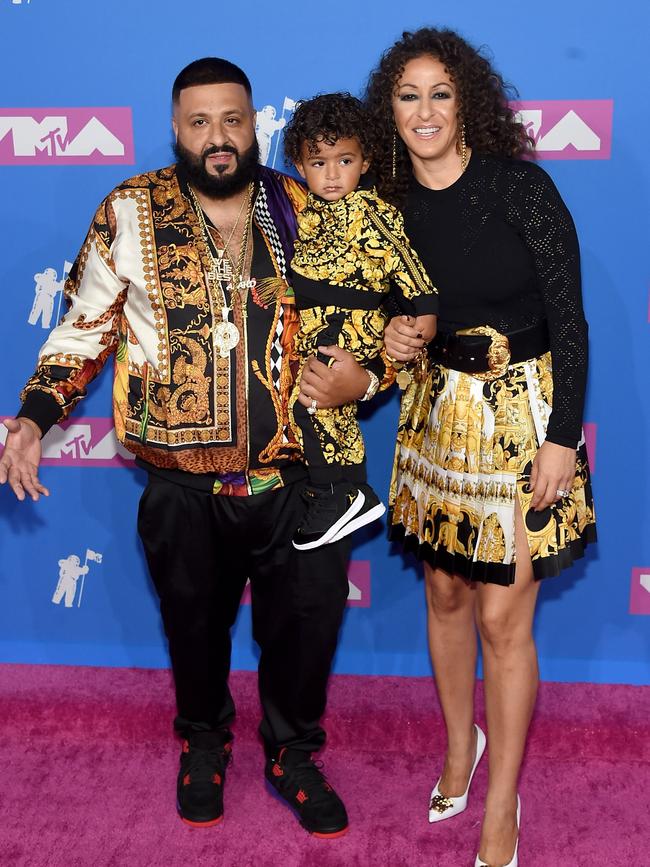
<point>45,291</point>
<point>267,126</point>
<point>70,571</point>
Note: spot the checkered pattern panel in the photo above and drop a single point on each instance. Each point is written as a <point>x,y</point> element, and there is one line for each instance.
<point>265,222</point>
<point>263,217</point>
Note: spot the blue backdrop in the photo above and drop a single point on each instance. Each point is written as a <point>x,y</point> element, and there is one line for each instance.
<point>67,66</point>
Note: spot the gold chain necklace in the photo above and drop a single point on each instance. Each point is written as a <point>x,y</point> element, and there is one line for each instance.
<point>225,333</point>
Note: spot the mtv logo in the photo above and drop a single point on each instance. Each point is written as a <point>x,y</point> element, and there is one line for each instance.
<point>569,129</point>
<point>84,442</point>
<point>72,136</point>
<point>81,442</point>
<point>358,585</point>
<point>640,591</point>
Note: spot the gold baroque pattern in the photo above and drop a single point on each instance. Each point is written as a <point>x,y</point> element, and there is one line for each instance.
<point>358,242</point>
<point>462,463</point>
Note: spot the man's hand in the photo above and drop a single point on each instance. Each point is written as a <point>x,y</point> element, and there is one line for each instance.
<point>343,382</point>
<point>403,338</point>
<point>554,469</point>
<point>21,457</point>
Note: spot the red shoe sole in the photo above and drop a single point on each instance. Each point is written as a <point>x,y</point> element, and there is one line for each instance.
<point>331,836</point>
<point>209,824</point>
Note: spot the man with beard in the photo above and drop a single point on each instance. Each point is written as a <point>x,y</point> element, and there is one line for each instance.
<point>183,276</point>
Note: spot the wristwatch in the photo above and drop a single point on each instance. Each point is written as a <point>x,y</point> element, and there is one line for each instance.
<point>373,386</point>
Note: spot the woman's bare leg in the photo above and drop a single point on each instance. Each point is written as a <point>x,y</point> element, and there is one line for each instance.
<point>511,675</point>
<point>452,644</point>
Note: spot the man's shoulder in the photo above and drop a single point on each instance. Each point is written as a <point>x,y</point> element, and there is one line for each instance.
<point>148,180</point>
<point>285,185</point>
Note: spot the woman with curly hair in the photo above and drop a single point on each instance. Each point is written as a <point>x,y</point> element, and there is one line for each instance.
<point>490,485</point>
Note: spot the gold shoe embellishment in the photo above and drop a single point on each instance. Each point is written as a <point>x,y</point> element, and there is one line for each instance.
<point>441,804</point>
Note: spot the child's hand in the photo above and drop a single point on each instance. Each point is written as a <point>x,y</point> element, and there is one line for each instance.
<point>426,326</point>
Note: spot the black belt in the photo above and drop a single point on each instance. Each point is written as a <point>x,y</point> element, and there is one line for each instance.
<point>485,352</point>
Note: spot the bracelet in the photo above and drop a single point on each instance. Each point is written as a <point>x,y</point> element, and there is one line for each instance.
<point>373,386</point>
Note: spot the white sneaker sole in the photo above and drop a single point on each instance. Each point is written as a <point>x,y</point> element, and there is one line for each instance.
<point>326,538</point>
<point>360,521</point>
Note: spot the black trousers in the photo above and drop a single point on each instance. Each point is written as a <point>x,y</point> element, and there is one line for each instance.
<point>201,548</point>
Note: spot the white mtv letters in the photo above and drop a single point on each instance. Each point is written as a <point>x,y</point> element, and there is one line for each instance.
<point>45,291</point>
<point>267,126</point>
<point>51,136</point>
<point>570,130</point>
<point>70,571</point>
<point>74,443</point>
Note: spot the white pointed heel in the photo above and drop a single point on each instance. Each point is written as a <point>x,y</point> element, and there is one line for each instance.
<point>515,858</point>
<point>440,807</point>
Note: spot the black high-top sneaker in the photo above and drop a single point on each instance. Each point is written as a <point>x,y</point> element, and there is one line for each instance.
<point>204,759</point>
<point>328,510</point>
<point>300,782</point>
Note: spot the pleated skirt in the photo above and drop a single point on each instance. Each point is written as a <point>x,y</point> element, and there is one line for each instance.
<point>463,460</point>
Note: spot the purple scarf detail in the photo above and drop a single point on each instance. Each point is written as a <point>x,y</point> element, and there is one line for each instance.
<point>281,210</point>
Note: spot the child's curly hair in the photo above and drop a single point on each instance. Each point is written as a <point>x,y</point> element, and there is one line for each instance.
<point>327,118</point>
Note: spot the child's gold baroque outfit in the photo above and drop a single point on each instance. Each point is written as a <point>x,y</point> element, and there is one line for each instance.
<point>350,256</point>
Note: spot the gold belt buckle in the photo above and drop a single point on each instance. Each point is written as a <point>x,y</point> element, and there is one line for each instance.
<point>498,354</point>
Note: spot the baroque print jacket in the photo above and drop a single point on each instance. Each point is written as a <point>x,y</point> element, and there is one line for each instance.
<point>138,291</point>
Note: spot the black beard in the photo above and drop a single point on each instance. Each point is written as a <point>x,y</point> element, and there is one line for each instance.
<point>221,186</point>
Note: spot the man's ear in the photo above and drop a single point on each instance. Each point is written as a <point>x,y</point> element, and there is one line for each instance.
<point>175,128</point>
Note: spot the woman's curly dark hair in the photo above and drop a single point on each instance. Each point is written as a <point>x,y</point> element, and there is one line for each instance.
<point>327,118</point>
<point>490,123</point>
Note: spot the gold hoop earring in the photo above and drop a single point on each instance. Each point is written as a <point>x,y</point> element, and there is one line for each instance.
<point>394,154</point>
<point>463,148</point>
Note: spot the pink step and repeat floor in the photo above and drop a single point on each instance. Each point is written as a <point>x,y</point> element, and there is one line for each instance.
<point>86,101</point>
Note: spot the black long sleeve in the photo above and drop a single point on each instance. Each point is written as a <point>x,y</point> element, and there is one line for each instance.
<point>501,248</point>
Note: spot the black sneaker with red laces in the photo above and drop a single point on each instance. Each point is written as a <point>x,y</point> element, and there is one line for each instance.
<point>204,759</point>
<point>300,782</point>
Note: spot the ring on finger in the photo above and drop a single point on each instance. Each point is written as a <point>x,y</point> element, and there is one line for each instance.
<point>562,493</point>
<point>311,409</point>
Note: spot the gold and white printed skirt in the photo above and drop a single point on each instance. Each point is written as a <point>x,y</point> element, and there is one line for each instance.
<point>463,459</point>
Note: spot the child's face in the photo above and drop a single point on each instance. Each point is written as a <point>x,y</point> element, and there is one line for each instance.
<point>334,170</point>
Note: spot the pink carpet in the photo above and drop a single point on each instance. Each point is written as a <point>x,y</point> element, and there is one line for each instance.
<point>89,768</point>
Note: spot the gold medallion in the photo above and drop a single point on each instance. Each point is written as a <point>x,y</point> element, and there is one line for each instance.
<point>226,337</point>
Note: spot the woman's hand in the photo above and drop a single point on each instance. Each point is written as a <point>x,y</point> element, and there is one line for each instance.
<point>554,469</point>
<point>403,338</point>
<point>343,382</point>
<point>426,326</point>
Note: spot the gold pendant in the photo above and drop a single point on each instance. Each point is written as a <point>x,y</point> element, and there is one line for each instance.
<point>220,272</point>
<point>226,337</point>
<point>404,378</point>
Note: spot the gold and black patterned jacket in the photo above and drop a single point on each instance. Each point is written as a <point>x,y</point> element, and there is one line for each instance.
<point>354,253</point>
<point>138,291</point>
